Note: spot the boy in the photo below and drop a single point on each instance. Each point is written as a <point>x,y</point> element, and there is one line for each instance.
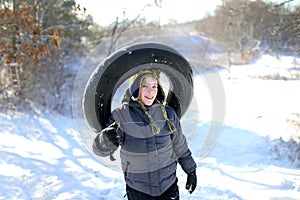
<point>151,139</point>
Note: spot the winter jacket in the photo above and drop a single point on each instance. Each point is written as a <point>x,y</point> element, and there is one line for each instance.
<point>149,160</point>
<point>151,140</point>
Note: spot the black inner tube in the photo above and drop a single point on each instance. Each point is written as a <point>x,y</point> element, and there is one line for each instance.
<point>120,66</point>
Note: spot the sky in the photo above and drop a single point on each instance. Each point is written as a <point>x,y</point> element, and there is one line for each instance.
<point>105,12</point>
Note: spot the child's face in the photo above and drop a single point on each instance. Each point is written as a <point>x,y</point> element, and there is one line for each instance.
<point>148,90</point>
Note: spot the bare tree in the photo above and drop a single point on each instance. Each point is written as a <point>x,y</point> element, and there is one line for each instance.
<point>37,36</point>
<point>23,37</point>
<point>286,30</point>
<point>120,27</point>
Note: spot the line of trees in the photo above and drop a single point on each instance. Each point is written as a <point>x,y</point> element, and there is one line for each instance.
<point>250,26</point>
<point>38,39</point>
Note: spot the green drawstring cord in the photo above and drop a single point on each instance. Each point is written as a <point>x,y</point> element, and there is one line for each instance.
<point>155,128</point>
<point>170,125</point>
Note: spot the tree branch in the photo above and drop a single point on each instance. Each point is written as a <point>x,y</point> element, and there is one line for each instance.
<point>282,3</point>
<point>60,26</point>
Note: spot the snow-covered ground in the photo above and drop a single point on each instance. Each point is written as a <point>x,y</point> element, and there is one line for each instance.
<point>42,156</point>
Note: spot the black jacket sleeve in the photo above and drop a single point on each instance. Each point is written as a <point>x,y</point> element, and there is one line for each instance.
<point>180,145</point>
<point>107,141</point>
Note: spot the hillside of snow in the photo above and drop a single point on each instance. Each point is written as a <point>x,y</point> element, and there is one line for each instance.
<point>42,157</point>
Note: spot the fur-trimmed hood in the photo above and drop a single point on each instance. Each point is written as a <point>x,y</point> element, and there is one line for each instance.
<point>137,82</point>
<point>160,98</point>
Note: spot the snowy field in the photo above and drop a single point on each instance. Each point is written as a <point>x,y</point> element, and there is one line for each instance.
<point>42,156</point>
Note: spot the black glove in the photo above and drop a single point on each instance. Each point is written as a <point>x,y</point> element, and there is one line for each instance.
<point>109,137</point>
<point>191,182</point>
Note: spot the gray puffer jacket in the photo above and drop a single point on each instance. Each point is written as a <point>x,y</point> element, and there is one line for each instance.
<point>150,147</point>
<point>149,160</point>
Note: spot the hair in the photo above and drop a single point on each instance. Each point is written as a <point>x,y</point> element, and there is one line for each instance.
<point>136,82</point>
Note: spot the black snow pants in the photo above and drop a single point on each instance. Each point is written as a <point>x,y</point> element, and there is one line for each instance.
<point>172,193</point>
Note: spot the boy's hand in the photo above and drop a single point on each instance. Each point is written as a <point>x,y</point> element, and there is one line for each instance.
<point>110,136</point>
<point>191,182</point>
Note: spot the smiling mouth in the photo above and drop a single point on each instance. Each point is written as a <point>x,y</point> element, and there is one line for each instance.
<point>150,98</point>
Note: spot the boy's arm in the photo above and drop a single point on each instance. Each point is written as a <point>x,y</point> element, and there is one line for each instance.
<point>107,141</point>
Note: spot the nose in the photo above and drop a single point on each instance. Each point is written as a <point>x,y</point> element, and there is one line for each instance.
<point>150,90</point>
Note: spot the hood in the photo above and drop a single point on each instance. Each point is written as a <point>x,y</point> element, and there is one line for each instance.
<point>137,82</point>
